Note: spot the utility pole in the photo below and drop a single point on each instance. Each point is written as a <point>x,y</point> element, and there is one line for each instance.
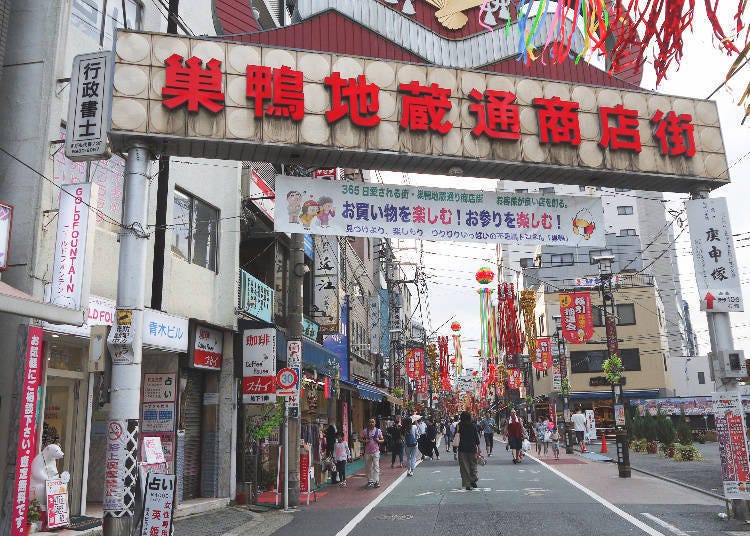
<point>720,336</point>
<point>121,493</point>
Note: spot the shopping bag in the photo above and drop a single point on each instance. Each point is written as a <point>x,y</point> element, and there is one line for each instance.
<point>526,446</point>
<point>456,439</point>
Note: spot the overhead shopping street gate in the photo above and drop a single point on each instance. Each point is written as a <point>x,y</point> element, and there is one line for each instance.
<point>222,100</point>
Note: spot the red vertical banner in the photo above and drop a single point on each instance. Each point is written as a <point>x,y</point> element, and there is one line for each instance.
<point>577,316</point>
<point>611,329</point>
<point>304,471</point>
<point>419,362</point>
<point>543,359</point>
<point>410,371</point>
<point>515,378</point>
<point>32,378</point>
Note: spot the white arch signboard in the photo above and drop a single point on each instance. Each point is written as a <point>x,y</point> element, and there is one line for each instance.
<point>213,99</point>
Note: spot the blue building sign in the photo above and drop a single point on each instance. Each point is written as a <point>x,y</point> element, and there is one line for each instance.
<point>256,298</point>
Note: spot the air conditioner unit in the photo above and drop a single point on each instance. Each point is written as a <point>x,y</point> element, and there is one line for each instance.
<point>731,364</point>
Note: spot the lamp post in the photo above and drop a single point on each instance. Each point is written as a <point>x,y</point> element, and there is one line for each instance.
<point>562,352</point>
<point>610,322</point>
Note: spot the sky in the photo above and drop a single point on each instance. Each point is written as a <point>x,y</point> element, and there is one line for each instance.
<point>451,266</point>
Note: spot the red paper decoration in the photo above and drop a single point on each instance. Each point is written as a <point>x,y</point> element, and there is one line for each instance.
<point>485,276</point>
<point>455,326</point>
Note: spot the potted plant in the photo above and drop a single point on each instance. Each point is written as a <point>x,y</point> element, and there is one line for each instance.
<point>34,517</point>
<point>613,369</point>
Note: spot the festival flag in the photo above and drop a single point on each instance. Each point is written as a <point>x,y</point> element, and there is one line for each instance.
<point>577,316</point>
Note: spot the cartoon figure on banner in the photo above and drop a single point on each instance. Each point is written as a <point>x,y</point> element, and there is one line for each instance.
<point>584,227</point>
<point>326,210</point>
<point>294,205</point>
<point>43,468</point>
<point>310,209</point>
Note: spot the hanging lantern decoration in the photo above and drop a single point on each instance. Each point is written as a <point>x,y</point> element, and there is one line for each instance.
<point>455,326</point>
<point>485,276</point>
<point>528,303</point>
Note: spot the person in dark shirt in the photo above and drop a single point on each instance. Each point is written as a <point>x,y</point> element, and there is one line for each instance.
<point>468,447</point>
<point>431,434</point>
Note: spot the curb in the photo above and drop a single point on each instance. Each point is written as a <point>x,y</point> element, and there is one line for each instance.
<point>680,483</point>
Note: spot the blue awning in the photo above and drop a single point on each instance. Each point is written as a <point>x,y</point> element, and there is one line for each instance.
<point>367,392</point>
<point>635,393</point>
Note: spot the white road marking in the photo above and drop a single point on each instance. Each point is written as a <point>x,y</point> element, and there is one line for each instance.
<point>661,522</point>
<point>425,493</point>
<point>601,500</point>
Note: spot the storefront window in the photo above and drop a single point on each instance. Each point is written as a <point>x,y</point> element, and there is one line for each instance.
<point>64,359</point>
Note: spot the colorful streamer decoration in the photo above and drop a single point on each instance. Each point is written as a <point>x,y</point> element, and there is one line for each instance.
<point>528,304</point>
<point>623,31</point>
<point>457,353</point>
<point>485,276</point>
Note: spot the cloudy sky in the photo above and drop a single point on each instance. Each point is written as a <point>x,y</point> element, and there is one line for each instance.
<point>451,266</point>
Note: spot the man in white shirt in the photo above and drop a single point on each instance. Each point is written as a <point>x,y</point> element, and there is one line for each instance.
<point>580,427</point>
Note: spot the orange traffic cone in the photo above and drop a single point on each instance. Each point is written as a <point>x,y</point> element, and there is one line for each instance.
<point>604,444</point>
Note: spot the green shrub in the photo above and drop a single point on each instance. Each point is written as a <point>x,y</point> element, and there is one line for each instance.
<point>665,432</point>
<point>687,453</point>
<point>650,428</point>
<point>639,445</point>
<point>684,433</point>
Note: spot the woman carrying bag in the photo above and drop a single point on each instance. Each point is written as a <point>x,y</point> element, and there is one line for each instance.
<point>516,435</point>
<point>467,441</point>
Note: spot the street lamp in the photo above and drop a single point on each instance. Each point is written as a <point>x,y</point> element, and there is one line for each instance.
<point>608,304</point>
<point>562,353</point>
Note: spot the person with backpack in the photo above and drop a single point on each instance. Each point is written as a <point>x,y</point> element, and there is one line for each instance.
<point>468,447</point>
<point>372,438</point>
<point>396,439</point>
<point>431,435</point>
<point>410,444</point>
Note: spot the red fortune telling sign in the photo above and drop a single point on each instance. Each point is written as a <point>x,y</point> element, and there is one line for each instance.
<point>577,316</point>
<point>543,359</point>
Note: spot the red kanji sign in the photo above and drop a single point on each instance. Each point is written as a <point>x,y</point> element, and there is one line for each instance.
<point>624,134</point>
<point>283,86</point>
<point>558,121</point>
<point>363,102</point>
<point>192,84</point>
<point>498,117</point>
<point>424,107</point>
<point>675,133</point>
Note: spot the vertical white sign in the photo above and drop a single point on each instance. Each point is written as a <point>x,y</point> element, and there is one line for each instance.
<point>259,366</point>
<point>326,284</point>
<point>6,222</point>
<point>158,505</point>
<point>70,245</point>
<point>89,107</point>
<point>716,269</point>
<point>375,322</point>
<point>591,431</point>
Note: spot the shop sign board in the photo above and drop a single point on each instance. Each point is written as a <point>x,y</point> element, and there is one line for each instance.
<point>543,359</point>
<point>158,415</point>
<point>345,208</point>
<point>70,245</point>
<point>556,370</point>
<point>162,330</point>
<point>58,513</point>
<point>716,269</point>
<point>326,303</point>
<point>89,107</point>
<point>6,225</point>
<point>259,366</point>
<point>293,362</point>
<point>256,298</point>
<point>26,448</point>
<point>261,194</point>
<point>123,338</point>
<point>577,316</point>
<point>259,103</point>
<point>207,348</point>
<point>591,431</point>
<point>385,335</point>
<point>595,281</point>
<point>159,387</point>
<point>310,329</point>
<point>374,316</point>
<point>158,505</point>
<point>732,438</point>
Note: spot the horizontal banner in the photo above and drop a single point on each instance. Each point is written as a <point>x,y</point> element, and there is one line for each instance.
<point>347,208</point>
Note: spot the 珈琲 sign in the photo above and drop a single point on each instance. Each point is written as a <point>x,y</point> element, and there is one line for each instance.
<point>213,99</point>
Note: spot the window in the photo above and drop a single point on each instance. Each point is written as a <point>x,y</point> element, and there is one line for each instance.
<point>99,18</point>
<point>592,360</point>
<point>622,189</point>
<point>625,210</point>
<point>547,191</point>
<point>564,259</point>
<point>522,190</point>
<point>702,378</point>
<point>625,314</point>
<point>627,232</point>
<point>581,188</point>
<point>527,262</point>
<point>195,234</point>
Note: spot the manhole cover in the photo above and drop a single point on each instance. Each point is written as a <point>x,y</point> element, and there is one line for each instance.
<point>395,517</point>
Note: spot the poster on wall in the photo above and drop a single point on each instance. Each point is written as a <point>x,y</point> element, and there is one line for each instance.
<point>58,513</point>
<point>259,366</point>
<point>732,438</point>
<point>401,211</point>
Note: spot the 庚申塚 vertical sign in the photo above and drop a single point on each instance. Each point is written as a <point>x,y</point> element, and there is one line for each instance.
<point>716,269</point>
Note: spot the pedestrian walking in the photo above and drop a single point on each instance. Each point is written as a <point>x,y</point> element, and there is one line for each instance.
<point>410,444</point>
<point>488,427</point>
<point>372,438</point>
<point>431,435</point>
<point>580,427</point>
<point>516,434</point>
<point>447,434</point>
<point>468,446</point>
<point>396,446</point>
<point>555,440</point>
<point>330,436</point>
<point>540,428</point>
<point>454,428</point>
<point>342,454</point>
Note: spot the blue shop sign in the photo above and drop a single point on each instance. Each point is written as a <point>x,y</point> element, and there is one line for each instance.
<point>310,329</point>
<point>256,298</point>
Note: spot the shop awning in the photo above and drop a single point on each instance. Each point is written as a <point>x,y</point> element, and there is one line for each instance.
<point>15,302</point>
<point>368,392</point>
<point>635,393</point>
